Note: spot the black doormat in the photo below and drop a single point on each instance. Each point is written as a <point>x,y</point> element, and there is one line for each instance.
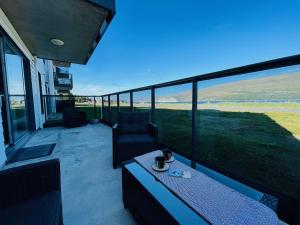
<point>31,153</point>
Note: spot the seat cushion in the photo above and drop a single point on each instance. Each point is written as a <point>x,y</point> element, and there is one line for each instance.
<point>134,139</point>
<point>42,210</point>
<point>132,145</point>
<point>133,122</point>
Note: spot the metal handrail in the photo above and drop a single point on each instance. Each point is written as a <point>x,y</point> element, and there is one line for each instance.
<point>106,107</point>
<point>256,67</point>
<point>194,80</point>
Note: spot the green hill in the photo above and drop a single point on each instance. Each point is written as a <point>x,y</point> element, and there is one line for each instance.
<point>286,86</point>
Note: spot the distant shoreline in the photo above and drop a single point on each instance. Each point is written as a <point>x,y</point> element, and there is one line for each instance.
<point>230,101</point>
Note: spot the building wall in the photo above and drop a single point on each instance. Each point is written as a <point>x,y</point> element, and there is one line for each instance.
<point>36,65</point>
<point>52,90</point>
<point>51,69</point>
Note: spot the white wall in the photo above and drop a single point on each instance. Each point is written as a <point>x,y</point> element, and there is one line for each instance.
<point>51,69</point>
<point>36,94</point>
<point>35,66</point>
<point>52,91</point>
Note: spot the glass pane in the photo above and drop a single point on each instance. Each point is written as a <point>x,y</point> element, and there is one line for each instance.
<point>54,107</point>
<point>114,108</point>
<point>124,102</point>
<point>98,107</point>
<point>18,115</point>
<point>16,90</point>
<point>142,101</point>
<point>249,125</point>
<point>173,115</point>
<point>105,110</point>
<point>86,104</point>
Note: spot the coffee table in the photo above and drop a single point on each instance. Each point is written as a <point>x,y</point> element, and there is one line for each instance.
<point>152,202</point>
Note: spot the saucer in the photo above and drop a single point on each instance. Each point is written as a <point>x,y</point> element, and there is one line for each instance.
<point>165,168</point>
<point>172,159</point>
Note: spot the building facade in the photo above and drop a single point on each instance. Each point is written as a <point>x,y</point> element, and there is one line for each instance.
<point>32,59</point>
<point>24,79</point>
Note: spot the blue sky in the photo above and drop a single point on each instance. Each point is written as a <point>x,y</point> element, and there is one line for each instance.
<point>153,41</point>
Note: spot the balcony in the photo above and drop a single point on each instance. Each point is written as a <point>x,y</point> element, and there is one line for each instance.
<point>239,126</point>
<point>63,84</point>
<point>91,189</point>
<point>63,80</point>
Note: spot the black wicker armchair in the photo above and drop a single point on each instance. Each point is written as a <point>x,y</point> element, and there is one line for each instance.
<point>31,194</point>
<point>298,212</point>
<point>72,117</point>
<point>133,136</point>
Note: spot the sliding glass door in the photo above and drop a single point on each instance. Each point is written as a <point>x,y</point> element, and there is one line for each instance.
<point>16,94</point>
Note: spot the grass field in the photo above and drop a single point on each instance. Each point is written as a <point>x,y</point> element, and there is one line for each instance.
<point>91,113</point>
<point>257,141</point>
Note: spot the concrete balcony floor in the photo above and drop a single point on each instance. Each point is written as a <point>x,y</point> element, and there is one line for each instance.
<point>91,189</point>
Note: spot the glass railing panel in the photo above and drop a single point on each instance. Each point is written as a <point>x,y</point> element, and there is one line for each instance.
<point>62,70</point>
<point>98,107</point>
<point>124,101</point>
<point>114,109</point>
<point>64,81</point>
<point>105,109</point>
<point>86,104</point>
<point>173,115</point>
<point>142,101</point>
<point>249,125</point>
<point>54,106</point>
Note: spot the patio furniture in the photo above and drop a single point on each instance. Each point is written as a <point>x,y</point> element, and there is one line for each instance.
<point>298,211</point>
<point>73,117</point>
<point>199,200</point>
<point>31,194</point>
<point>132,136</point>
<point>61,104</point>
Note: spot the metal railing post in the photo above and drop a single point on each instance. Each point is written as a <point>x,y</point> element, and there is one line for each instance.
<point>131,101</point>
<point>194,122</point>
<point>153,105</point>
<point>95,107</point>
<point>109,109</point>
<point>102,108</point>
<point>118,103</point>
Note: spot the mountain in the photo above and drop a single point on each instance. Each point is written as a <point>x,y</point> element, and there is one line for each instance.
<point>286,87</point>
